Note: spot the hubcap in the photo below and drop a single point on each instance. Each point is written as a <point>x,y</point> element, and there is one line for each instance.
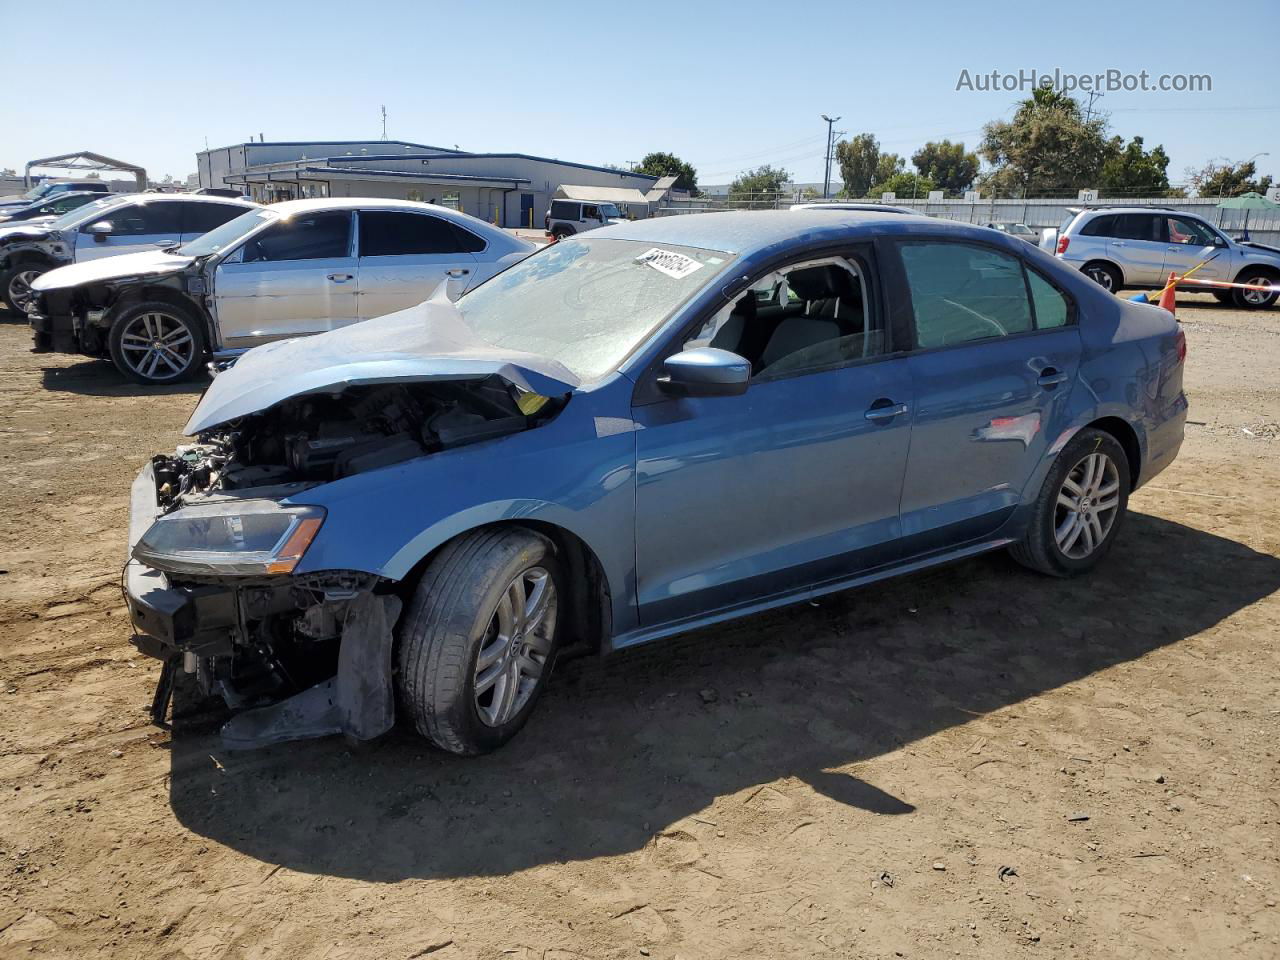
<point>20,292</point>
<point>157,346</point>
<point>1087,506</point>
<point>1100,277</point>
<point>515,648</point>
<point>1258,296</point>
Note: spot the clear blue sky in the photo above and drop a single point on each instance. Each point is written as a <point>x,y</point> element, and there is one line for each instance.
<point>723,85</point>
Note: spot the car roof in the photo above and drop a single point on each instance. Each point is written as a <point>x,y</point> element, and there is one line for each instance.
<point>744,231</point>
<point>176,197</point>
<point>289,207</point>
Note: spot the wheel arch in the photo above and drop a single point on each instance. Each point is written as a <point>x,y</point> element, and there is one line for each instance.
<point>1265,268</point>
<point>143,293</point>
<point>1127,437</point>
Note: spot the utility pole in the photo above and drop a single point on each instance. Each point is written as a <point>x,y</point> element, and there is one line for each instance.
<point>384,121</point>
<point>826,182</point>
<point>1088,110</point>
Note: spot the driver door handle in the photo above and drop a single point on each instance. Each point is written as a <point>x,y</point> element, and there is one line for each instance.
<point>458,272</point>
<point>339,277</point>
<point>1050,377</point>
<point>885,409</point>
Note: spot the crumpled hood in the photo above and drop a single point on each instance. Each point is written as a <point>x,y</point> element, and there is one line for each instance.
<point>22,231</point>
<point>148,263</point>
<point>428,342</point>
<point>1259,246</point>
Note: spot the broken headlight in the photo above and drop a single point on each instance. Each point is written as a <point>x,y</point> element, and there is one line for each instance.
<point>244,537</point>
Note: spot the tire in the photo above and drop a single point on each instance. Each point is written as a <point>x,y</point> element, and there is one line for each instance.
<point>1225,297</point>
<point>1104,275</point>
<point>561,232</point>
<point>15,285</point>
<point>157,322</point>
<point>1255,299</point>
<point>1042,547</point>
<point>456,618</point>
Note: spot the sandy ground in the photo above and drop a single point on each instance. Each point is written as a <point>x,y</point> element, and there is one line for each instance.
<point>971,762</point>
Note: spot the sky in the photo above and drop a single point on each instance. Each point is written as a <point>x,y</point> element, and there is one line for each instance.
<point>726,86</point>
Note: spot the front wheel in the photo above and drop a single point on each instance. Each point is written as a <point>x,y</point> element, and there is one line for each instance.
<point>1256,299</point>
<point>1075,518</point>
<point>480,639</point>
<point>156,343</point>
<point>15,287</point>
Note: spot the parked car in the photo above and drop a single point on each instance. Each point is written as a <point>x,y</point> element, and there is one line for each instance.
<point>870,205</point>
<point>630,434</point>
<point>567,217</point>
<point>49,208</point>
<point>1138,247</point>
<point>52,188</point>
<point>299,267</point>
<point>1019,230</point>
<point>115,225</point>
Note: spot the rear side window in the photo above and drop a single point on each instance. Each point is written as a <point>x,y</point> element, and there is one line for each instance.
<point>316,237</point>
<point>389,234</point>
<point>1136,226</point>
<point>1100,227</point>
<point>962,292</point>
<point>1051,307</point>
<point>564,210</point>
<point>203,217</point>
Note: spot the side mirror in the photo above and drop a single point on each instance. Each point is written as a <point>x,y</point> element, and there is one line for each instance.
<point>101,230</point>
<point>705,372</point>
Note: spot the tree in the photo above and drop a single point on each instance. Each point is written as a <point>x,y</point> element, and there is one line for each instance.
<point>765,179</point>
<point>1047,146</point>
<point>1132,171</point>
<point>905,185</point>
<point>659,164</point>
<point>947,164</point>
<point>858,160</point>
<point>1227,179</point>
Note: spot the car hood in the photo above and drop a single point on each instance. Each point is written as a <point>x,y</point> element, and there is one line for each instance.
<point>428,342</point>
<point>1259,246</point>
<point>22,231</point>
<point>149,263</point>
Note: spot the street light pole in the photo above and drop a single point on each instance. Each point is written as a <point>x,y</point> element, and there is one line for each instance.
<point>826,183</point>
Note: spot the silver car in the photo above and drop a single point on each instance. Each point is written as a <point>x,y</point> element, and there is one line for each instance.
<point>119,224</point>
<point>290,269</point>
<point>1138,247</point>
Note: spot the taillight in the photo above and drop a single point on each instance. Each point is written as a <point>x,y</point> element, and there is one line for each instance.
<point>1182,345</point>
<point>1063,243</point>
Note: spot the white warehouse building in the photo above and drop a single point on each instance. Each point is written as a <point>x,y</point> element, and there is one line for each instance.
<point>509,189</point>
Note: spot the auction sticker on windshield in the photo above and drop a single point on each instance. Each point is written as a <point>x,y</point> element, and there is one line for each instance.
<point>669,262</point>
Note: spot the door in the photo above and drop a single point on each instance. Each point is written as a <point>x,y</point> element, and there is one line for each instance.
<point>793,483</point>
<point>297,276</point>
<point>526,210</point>
<point>405,256</point>
<point>1188,243</point>
<point>146,225</point>
<point>997,352</point>
<point>199,217</point>
<point>1137,245</point>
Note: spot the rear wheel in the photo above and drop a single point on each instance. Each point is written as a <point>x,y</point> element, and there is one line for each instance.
<point>15,287</point>
<point>1256,299</point>
<point>155,343</point>
<point>480,639</point>
<point>1080,507</point>
<point>1104,275</point>
<point>561,232</point>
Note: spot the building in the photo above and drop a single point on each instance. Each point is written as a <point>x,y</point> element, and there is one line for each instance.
<point>509,189</point>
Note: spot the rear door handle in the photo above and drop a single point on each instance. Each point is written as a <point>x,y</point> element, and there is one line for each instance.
<point>458,272</point>
<point>1117,243</point>
<point>1049,377</point>
<point>885,409</point>
<point>339,277</point>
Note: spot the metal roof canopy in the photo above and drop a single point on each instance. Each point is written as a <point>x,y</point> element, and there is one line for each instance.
<point>87,160</point>
<point>569,191</point>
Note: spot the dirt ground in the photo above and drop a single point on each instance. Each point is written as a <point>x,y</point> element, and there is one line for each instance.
<point>975,761</point>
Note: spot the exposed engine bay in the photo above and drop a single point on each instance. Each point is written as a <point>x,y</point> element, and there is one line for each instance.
<point>303,655</point>
<point>318,438</point>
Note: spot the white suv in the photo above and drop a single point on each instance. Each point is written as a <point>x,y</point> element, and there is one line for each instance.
<point>567,217</point>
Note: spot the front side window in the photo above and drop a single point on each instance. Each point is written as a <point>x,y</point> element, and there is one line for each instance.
<point>1190,232</point>
<point>229,233</point>
<point>316,236</point>
<point>590,212</point>
<point>962,292</point>
<point>589,303</point>
<point>806,317</point>
<point>392,234</point>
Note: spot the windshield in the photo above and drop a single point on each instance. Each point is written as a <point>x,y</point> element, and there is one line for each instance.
<point>610,212</point>
<point>38,191</point>
<point>588,302</point>
<point>224,236</point>
<point>90,211</point>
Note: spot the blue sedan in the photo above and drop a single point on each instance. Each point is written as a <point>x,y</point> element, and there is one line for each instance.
<point>651,428</point>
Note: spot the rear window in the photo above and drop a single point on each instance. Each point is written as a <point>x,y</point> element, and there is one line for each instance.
<point>564,210</point>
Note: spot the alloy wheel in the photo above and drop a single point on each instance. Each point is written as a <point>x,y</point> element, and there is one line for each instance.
<point>157,346</point>
<point>516,646</point>
<point>1087,507</point>
<point>1100,277</point>
<point>1258,297</point>
<point>20,293</point>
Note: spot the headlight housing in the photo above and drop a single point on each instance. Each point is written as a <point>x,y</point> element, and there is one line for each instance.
<point>232,537</point>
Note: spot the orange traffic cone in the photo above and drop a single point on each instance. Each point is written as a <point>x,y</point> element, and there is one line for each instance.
<point>1169,298</point>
